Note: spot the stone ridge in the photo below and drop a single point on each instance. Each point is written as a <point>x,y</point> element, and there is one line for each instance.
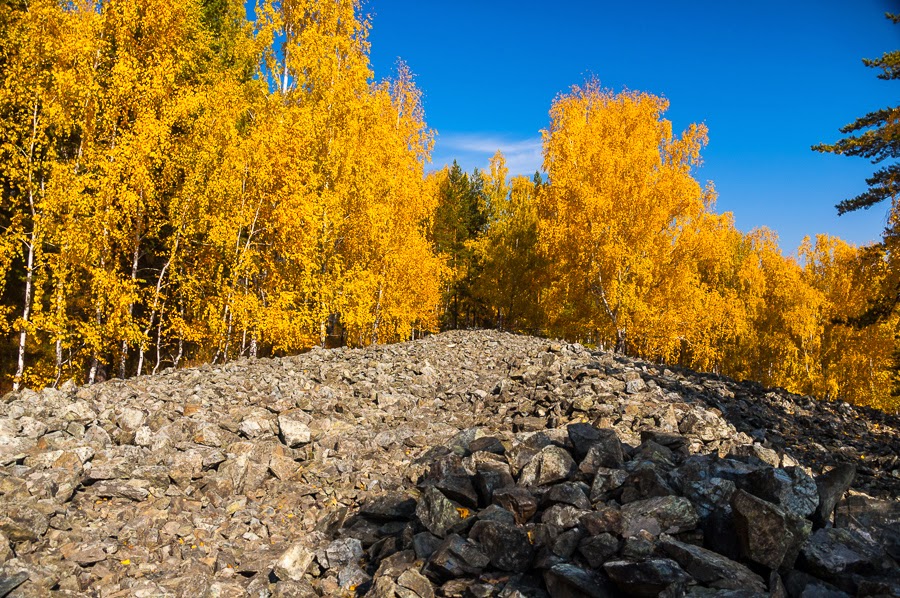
<point>466,463</point>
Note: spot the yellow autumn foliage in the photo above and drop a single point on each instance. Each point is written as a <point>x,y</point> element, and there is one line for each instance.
<point>181,185</point>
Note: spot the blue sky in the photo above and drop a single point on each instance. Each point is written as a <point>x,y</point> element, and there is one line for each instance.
<point>768,78</point>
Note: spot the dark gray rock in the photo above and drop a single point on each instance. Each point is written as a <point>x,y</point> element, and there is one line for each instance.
<point>646,578</point>
<point>674,442</point>
<point>448,475</point>
<point>648,480</point>
<point>603,520</point>
<point>437,513</point>
<point>11,581</point>
<point>491,476</point>
<point>390,507</point>
<point>487,444</point>
<point>831,486</point>
<point>605,451</point>
<point>802,585</point>
<point>606,483</point>
<point>496,513</point>
<point>518,501</point>
<point>569,493</point>
<point>424,544</point>
<point>832,554</point>
<point>767,534</point>
<point>507,546</point>
<point>710,568</point>
<point>343,552</point>
<point>790,488</point>
<point>598,549</point>
<point>565,580</point>
<point>457,557</point>
<point>552,464</point>
<point>567,542</point>
<point>584,436</point>
<point>562,517</point>
<point>665,514</point>
<point>638,547</point>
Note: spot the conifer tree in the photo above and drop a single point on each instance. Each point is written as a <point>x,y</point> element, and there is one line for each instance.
<point>876,136</point>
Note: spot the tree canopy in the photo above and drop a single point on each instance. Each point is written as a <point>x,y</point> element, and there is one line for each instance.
<point>181,185</point>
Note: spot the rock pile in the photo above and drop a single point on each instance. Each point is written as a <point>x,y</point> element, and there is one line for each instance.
<point>463,464</point>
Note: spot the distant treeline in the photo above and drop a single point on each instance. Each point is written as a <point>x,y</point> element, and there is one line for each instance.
<point>181,185</point>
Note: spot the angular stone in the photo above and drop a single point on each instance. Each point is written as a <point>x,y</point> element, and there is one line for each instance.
<point>710,568</point>
<point>352,577</point>
<point>791,489</point>
<point>396,564</point>
<point>23,523</point>
<point>766,455</point>
<point>416,583</point>
<point>83,554</point>
<point>568,493</point>
<point>635,386</point>
<point>606,451</point>
<point>457,557</point>
<point>562,517</point>
<point>518,501</point>
<point>877,518</point>
<point>803,585</point>
<point>674,442</point>
<point>343,552</point>
<point>507,546</point>
<point>709,496</point>
<point>487,444</point>
<point>584,436</point>
<point>647,481</point>
<point>664,514</point>
<point>56,484</point>
<point>565,580</point>
<point>424,544</point>
<point>283,468</point>
<point>6,552</point>
<point>646,578</point>
<point>767,534</point>
<point>293,428</point>
<point>496,513</point>
<point>294,562</point>
<point>831,486</point>
<point>11,581</point>
<point>185,466</point>
<point>552,464</point>
<point>638,547</point>
<point>491,476</point>
<point>652,452</point>
<point>603,520</point>
<point>606,481</point>
<point>834,553</point>
<point>136,489</point>
<point>390,507</point>
<point>598,549</point>
<point>448,475</point>
<point>437,513</point>
<point>567,542</point>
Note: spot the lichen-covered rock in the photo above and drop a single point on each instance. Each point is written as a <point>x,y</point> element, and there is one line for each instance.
<point>768,535</point>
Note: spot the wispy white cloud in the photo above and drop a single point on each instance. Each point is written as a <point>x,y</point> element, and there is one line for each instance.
<point>523,156</point>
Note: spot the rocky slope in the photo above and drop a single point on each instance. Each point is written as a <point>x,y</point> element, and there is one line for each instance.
<point>463,464</point>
